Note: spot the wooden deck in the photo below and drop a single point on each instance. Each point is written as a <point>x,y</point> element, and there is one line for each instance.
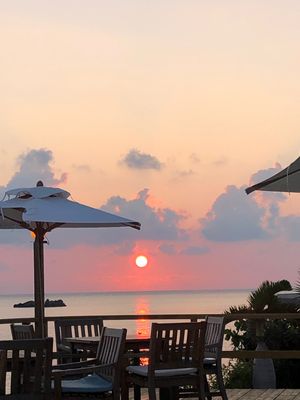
<point>250,394</point>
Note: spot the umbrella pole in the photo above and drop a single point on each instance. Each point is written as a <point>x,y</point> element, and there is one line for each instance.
<point>39,297</point>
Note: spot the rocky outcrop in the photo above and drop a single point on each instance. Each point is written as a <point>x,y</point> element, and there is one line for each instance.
<point>48,303</point>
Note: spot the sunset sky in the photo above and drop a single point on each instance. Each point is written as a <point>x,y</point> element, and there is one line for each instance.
<point>162,111</point>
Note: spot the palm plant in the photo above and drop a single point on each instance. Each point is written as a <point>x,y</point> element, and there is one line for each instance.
<point>248,333</point>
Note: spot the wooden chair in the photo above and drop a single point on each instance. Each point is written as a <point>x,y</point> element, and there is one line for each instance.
<point>212,362</point>
<point>25,369</point>
<point>213,354</point>
<point>74,328</point>
<point>22,331</point>
<point>94,376</point>
<point>175,359</point>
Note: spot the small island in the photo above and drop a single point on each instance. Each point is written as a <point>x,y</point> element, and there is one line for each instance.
<point>48,303</point>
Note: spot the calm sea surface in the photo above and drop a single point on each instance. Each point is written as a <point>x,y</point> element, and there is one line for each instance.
<point>169,302</point>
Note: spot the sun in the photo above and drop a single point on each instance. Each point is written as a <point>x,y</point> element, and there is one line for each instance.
<point>141,261</point>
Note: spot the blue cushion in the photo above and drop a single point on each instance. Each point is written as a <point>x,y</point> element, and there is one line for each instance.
<point>143,371</point>
<point>89,384</point>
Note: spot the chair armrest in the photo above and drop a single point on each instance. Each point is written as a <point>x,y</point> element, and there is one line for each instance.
<point>75,365</point>
<point>58,374</point>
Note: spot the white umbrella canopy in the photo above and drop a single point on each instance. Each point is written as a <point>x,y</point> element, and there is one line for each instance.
<point>41,209</point>
<point>287,180</point>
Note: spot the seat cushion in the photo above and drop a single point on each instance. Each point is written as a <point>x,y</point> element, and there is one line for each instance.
<point>143,371</point>
<point>89,384</point>
<point>209,361</point>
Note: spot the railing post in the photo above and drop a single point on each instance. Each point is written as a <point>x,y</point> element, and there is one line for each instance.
<point>263,374</point>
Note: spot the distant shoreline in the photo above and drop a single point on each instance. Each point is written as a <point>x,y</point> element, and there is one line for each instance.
<point>125,292</point>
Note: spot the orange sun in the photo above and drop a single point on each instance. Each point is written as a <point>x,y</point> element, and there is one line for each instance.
<point>141,261</point>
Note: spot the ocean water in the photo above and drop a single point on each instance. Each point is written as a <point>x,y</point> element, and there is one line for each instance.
<point>110,303</point>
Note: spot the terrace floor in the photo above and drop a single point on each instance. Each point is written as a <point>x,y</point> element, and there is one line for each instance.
<point>249,394</point>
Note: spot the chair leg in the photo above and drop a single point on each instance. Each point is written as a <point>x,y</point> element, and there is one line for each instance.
<point>207,389</point>
<point>137,392</point>
<point>152,393</point>
<point>202,386</point>
<point>221,385</point>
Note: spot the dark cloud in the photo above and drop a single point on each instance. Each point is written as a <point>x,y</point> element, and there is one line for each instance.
<point>167,248</point>
<point>125,248</point>
<point>263,174</point>
<point>194,250</point>
<point>290,226</point>
<point>234,216</point>
<point>157,224</point>
<point>21,237</point>
<point>137,160</point>
<point>33,166</point>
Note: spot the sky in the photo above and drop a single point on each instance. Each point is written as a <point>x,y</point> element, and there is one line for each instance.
<point>161,111</point>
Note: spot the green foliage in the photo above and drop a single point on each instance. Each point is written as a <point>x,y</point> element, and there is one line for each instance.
<point>242,336</point>
<point>297,286</point>
<point>238,375</point>
<point>277,334</point>
<point>264,299</point>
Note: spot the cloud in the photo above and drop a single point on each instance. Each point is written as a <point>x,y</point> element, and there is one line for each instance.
<point>290,226</point>
<point>194,250</point>
<point>125,248</point>
<point>263,174</point>
<point>33,166</point>
<point>220,162</point>
<point>184,174</point>
<point>82,168</point>
<point>4,267</point>
<point>234,216</point>
<point>167,248</point>
<point>194,158</point>
<point>134,159</point>
<point>157,224</point>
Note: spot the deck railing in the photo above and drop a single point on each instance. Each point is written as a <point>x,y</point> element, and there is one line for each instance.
<point>241,354</point>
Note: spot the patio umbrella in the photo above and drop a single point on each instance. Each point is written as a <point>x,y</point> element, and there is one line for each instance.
<point>287,180</point>
<point>41,209</point>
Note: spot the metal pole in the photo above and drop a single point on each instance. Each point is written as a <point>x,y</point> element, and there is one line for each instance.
<point>39,297</point>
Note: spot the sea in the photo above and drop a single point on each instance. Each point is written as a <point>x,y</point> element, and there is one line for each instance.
<point>124,303</point>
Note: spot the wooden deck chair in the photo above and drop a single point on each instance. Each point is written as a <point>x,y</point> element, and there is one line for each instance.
<point>71,327</point>
<point>25,369</point>
<point>22,331</point>
<point>100,375</point>
<point>213,354</point>
<point>175,359</point>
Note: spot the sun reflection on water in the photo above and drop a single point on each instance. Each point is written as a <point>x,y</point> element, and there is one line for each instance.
<point>142,324</point>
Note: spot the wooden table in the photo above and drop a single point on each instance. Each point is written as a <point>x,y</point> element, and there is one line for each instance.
<point>134,343</point>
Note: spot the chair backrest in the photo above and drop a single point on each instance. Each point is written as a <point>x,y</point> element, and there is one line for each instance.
<point>111,351</point>
<point>214,336</point>
<point>20,331</point>
<point>176,345</point>
<point>77,328</point>
<point>29,363</point>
